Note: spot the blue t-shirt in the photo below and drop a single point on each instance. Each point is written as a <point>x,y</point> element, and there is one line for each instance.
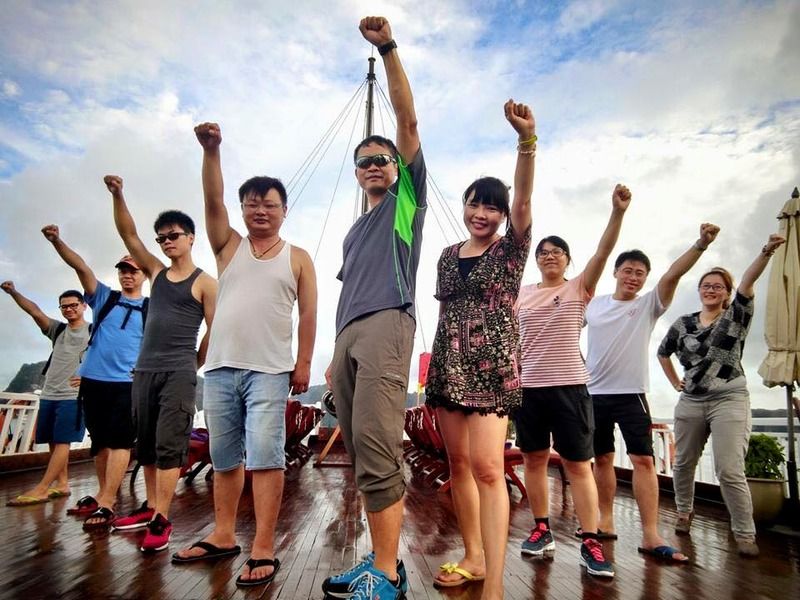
<point>114,350</point>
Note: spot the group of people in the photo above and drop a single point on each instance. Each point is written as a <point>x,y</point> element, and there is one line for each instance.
<point>501,351</point>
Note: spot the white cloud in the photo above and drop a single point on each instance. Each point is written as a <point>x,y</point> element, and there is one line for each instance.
<point>10,89</point>
<point>700,117</point>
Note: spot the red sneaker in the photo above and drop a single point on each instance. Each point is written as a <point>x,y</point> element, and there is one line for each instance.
<point>136,520</point>
<point>157,536</point>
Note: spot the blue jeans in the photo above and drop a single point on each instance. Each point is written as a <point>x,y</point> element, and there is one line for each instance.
<point>245,413</point>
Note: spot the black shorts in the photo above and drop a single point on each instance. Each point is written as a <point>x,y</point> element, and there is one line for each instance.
<point>632,414</point>
<point>566,412</point>
<point>106,406</point>
<point>163,409</point>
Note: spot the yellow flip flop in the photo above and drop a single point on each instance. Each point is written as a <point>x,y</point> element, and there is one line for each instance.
<point>466,576</point>
<point>26,501</point>
<point>54,493</point>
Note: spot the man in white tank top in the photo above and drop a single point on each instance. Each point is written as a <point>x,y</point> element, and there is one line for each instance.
<point>619,328</point>
<point>250,370</point>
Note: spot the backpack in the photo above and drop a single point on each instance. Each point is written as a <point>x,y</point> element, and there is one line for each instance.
<point>115,299</point>
<point>60,328</point>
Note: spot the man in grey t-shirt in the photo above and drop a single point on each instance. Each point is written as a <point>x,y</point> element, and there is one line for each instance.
<point>375,325</point>
<point>58,423</point>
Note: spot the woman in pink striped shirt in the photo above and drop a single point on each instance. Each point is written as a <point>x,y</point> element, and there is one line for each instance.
<point>555,399</point>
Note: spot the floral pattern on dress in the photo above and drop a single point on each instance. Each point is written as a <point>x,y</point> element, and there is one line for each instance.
<point>475,357</point>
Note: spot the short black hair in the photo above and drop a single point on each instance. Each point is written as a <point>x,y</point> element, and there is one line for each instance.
<point>72,294</point>
<point>490,191</point>
<point>376,139</point>
<point>556,241</point>
<point>632,255</point>
<point>260,185</point>
<point>174,217</point>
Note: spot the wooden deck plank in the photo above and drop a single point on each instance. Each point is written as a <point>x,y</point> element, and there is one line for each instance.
<point>322,530</point>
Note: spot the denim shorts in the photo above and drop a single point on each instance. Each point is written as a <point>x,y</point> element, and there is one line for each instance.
<point>58,422</point>
<point>246,416</point>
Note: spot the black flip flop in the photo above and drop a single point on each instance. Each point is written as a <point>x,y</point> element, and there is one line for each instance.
<point>254,563</point>
<point>664,553</point>
<point>83,507</point>
<point>212,553</point>
<point>601,535</point>
<point>104,513</point>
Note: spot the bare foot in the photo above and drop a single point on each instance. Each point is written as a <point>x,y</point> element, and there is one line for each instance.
<point>449,576</point>
<point>214,539</point>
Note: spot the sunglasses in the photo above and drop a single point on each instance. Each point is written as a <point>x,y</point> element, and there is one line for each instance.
<point>171,236</point>
<point>379,160</point>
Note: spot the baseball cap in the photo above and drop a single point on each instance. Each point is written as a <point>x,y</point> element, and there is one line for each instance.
<point>127,261</point>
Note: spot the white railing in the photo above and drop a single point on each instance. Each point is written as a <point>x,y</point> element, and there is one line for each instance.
<point>18,417</point>
<point>664,447</point>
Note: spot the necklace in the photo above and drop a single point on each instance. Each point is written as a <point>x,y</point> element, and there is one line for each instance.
<point>258,254</point>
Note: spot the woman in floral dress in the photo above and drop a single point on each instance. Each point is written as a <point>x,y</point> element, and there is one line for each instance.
<point>473,380</point>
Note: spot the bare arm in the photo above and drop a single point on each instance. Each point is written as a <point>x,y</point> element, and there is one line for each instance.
<point>377,31</point>
<point>672,375</point>
<point>757,267</point>
<point>669,281</point>
<point>521,119</point>
<point>72,258</point>
<point>221,235</point>
<point>209,301</point>
<point>307,326</point>
<point>126,227</point>
<point>26,304</point>
<point>620,200</point>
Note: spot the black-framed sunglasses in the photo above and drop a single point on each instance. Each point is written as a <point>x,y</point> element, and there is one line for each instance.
<point>171,236</point>
<point>379,160</point>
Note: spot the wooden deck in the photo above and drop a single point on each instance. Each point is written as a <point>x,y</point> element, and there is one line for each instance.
<point>322,531</point>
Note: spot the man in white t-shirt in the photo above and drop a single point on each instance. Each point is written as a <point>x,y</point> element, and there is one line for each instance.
<point>619,328</point>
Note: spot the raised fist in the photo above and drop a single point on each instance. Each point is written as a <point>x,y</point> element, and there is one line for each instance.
<point>8,287</point>
<point>50,232</point>
<point>521,118</point>
<point>773,243</point>
<point>621,197</point>
<point>114,184</point>
<point>209,135</point>
<point>376,30</point>
<point>708,233</point>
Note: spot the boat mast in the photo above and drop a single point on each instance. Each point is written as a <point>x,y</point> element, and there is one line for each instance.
<point>370,110</point>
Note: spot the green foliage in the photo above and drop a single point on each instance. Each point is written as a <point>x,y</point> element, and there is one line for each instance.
<point>764,457</point>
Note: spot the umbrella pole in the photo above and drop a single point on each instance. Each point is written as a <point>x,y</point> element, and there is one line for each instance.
<point>791,464</point>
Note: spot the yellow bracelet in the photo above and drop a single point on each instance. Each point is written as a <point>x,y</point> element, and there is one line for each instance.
<point>530,141</point>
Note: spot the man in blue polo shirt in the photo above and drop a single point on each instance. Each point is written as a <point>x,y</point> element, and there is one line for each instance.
<point>106,375</point>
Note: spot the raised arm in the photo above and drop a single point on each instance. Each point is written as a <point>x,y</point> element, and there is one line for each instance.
<point>209,302</point>
<point>757,267</point>
<point>620,200</point>
<point>669,281</point>
<point>221,235</point>
<point>126,228</point>
<point>521,118</point>
<point>307,326</point>
<point>26,304</point>
<point>72,258</point>
<point>376,31</point>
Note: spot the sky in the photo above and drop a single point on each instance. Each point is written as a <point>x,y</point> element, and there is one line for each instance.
<point>694,106</point>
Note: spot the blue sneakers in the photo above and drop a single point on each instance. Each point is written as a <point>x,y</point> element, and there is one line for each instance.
<point>372,584</point>
<point>540,542</point>
<point>343,585</point>
<point>594,560</point>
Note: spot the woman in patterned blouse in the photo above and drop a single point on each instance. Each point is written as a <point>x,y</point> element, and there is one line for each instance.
<point>473,379</point>
<point>714,397</point>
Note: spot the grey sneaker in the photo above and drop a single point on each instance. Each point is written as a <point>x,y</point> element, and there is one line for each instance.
<point>747,547</point>
<point>684,523</point>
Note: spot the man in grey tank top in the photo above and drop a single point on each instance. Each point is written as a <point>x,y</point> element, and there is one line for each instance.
<point>58,422</point>
<point>250,369</point>
<point>165,376</point>
<point>375,325</point>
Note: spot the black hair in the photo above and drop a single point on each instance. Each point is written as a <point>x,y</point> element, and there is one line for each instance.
<point>174,217</point>
<point>489,191</point>
<point>632,255</point>
<point>72,294</point>
<point>376,139</point>
<point>556,241</point>
<point>260,185</point>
